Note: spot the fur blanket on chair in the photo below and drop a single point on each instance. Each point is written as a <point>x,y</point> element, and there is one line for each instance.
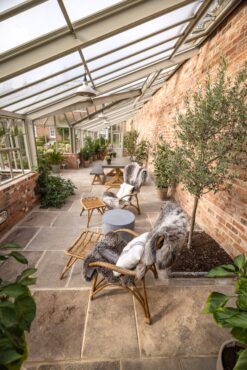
<point>168,234</point>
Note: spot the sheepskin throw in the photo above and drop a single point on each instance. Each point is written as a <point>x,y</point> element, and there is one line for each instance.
<point>134,175</point>
<point>162,245</point>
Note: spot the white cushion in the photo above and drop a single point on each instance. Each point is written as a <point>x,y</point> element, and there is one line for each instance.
<point>132,253</point>
<point>124,190</point>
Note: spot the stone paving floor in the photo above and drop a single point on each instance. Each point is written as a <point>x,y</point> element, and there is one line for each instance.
<point>70,332</point>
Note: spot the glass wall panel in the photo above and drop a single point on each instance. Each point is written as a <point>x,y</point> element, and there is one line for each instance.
<point>7,4</point>
<point>39,73</point>
<point>30,24</point>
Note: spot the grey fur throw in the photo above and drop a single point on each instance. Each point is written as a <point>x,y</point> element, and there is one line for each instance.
<point>108,249</point>
<point>168,234</point>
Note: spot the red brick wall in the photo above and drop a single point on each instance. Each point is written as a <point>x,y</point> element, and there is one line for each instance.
<point>18,198</point>
<point>224,215</point>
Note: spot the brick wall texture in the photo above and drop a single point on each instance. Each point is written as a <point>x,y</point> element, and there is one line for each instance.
<point>223,215</point>
<point>18,198</point>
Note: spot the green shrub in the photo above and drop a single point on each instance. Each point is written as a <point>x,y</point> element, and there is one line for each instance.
<point>54,190</point>
<point>17,311</point>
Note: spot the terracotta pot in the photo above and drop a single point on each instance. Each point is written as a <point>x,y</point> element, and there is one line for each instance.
<point>55,168</point>
<point>227,343</point>
<point>86,163</point>
<point>162,193</point>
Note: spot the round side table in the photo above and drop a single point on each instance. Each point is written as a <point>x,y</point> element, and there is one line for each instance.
<point>119,219</point>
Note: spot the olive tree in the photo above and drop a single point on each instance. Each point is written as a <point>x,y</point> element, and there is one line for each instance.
<point>212,133</point>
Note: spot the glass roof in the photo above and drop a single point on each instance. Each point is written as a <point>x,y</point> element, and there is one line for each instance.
<point>30,24</point>
<point>120,59</point>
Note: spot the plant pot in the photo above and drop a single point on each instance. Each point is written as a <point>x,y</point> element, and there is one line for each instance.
<point>108,161</point>
<point>162,193</point>
<point>95,157</point>
<point>86,163</point>
<point>227,344</point>
<point>55,168</point>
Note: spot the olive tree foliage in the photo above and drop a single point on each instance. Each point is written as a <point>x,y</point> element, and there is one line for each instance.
<point>212,132</point>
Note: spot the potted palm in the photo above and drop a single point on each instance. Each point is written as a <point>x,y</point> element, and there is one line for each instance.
<point>233,353</point>
<point>55,159</point>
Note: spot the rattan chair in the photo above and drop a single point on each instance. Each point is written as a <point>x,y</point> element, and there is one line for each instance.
<point>83,245</point>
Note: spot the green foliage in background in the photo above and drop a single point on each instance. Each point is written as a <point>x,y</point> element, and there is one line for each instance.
<point>17,311</point>
<point>232,317</point>
<point>130,142</point>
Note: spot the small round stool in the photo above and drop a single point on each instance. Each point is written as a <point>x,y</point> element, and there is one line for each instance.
<point>119,219</point>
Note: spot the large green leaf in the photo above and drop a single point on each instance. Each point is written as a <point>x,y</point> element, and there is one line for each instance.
<point>239,320</point>
<point>240,334</point>
<point>10,246</point>
<point>239,261</point>
<point>214,301</point>
<point>8,316</point>
<point>229,267</point>
<point>8,356</point>
<point>241,285</point>
<point>242,301</point>
<point>26,310</point>
<point>19,257</point>
<point>242,360</point>
<point>14,290</point>
<point>24,277</point>
<point>222,314</point>
<point>219,272</point>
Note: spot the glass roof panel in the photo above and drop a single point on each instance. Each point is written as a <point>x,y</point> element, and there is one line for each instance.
<point>78,9</point>
<point>138,47</point>
<point>73,73</point>
<point>142,30</point>
<point>7,4</point>
<point>30,24</point>
<point>132,68</point>
<point>45,95</point>
<point>40,72</point>
<point>48,101</point>
<point>124,63</point>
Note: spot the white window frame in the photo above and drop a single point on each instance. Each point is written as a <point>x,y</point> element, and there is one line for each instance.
<point>52,132</point>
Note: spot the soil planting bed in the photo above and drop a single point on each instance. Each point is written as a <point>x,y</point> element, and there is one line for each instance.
<point>204,254</point>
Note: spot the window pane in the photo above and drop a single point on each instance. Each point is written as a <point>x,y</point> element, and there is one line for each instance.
<point>78,9</point>
<point>146,62</point>
<point>39,73</point>
<point>146,54</point>
<point>74,73</point>
<point>141,31</point>
<point>30,24</point>
<point>7,4</point>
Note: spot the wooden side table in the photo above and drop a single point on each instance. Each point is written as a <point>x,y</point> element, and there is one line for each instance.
<point>90,204</point>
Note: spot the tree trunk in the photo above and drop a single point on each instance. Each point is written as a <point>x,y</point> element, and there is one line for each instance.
<point>193,218</point>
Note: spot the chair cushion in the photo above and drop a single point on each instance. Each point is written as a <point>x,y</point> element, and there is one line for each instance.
<point>132,253</point>
<point>125,189</point>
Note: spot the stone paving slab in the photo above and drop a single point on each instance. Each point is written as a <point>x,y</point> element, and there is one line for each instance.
<point>76,279</point>
<point>11,268</point>
<point>151,364</point>
<point>111,329</point>
<point>21,235</point>
<point>57,330</point>
<point>179,328</point>
<point>85,365</point>
<point>50,269</point>
<point>39,218</point>
<point>73,219</point>
<point>200,363</point>
<point>54,238</point>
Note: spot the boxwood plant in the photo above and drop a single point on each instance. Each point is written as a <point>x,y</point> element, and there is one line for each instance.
<point>233,317</point>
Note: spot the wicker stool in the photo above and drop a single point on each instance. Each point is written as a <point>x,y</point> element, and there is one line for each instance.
<point>90,204</point>
<point>97,171</point>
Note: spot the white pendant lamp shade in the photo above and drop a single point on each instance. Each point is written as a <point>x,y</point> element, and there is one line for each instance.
<point>85,89</point>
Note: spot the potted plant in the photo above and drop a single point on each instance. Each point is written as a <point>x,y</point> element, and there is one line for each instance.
<point>233,353</point>
<point>162,169</point>
<point>141,154</point>
<point>17,311</point>
<point>85,153</point>
<point>55,159</point>
<point>130,140</point>
<point>108,159</point>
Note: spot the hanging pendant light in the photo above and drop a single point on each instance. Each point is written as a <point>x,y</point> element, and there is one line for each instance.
<point>85,89</point>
